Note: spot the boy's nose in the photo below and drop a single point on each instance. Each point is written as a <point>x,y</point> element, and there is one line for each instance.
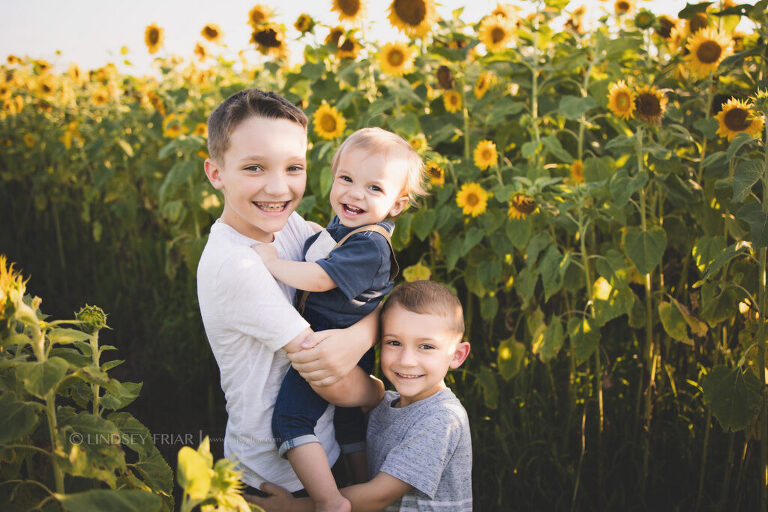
<point>356,193</point>
<point>276,184</point>
<point>407,358</point>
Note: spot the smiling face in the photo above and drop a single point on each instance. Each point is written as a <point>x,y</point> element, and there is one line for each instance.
<point>416,352</point>
<point>262,176</point>
<point>368,187</point>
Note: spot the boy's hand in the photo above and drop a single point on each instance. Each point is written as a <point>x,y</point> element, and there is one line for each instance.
<point>280,500</point>
<point>266,251</point>
<point>327,356</point>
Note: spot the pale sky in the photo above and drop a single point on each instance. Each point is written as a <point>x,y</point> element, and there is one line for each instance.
<point>92,32</point>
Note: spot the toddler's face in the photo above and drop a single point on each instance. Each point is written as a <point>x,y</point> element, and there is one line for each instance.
<point>417,351</point>
<point>263,175</point>
<point>368,187</point>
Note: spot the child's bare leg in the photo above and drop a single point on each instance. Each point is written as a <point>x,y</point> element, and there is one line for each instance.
<point>310,463</point>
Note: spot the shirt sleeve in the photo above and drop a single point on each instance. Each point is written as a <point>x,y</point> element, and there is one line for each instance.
<point>256,305</point>
<point>419,460</point>
<point>361,264</point>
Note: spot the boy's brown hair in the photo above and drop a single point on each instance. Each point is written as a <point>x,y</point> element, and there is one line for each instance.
<point>428,298</point>
<point>241,106</point>
<point>378,139</point>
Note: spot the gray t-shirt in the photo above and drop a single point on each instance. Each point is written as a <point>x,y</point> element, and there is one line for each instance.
<point>427,445</point>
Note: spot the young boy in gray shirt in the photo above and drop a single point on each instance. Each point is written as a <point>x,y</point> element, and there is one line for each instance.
<point>418,442</point>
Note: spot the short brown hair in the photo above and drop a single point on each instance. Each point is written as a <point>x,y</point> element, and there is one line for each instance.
<point>378,139</point>
<point>428,298</point>
<point>241,106</point>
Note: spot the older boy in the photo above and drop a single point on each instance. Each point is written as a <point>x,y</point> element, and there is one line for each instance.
<point>420,451</point>
<point>257,142</point>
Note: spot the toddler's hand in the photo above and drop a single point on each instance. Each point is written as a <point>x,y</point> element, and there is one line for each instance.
<point>266,251</point>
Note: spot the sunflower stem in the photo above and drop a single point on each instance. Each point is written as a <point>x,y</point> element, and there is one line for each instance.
<point>708,113</point>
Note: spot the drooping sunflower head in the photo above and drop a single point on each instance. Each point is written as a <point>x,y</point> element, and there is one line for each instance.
<point>211,32</point>
<point>100,96</point>
<point>650,104</point>
<point>496,32</point>
<point>352,11</point>
<point>739,116</point>
<point>396,59</point>
<point>697,22</point>
<point>621,100</point>
<point>304,23</point>
<point>472,199</point>
<point>334,36</point>
<point>484,82</point>
<point>445,77</point>
<point>328,122</point>
<point>760,100</point>
<point>644,19</point>
<point>520,206</point>
<point>577,171</point>
<point>418,142</point>
<point>348,47</point>
<point>452,100</point>
<point>623,6</point>
<point>414,17</point>
<point>269,39</point>
<point>707,48</point>
<point>153,38</point>
<point>485,154</point>
<point>664,25</point>
<point>436,173</point>
<point>259,14</point>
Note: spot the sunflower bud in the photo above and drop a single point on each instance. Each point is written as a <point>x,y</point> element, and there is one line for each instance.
<point>93,318</point>
<point>644,19</point>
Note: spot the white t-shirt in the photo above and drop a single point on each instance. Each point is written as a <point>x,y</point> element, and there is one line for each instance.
<point>248,318</point>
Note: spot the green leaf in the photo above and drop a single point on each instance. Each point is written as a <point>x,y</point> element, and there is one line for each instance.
<point>706,249</point>
<point>40,377</point>
<point>529,149</point>
<point>612,298</point>
<point>92,444</point>
<point>452,250</point>
<point>645,248</point>
<point>489,306</point>
<point>585,337</point>
<point>557,149</point>
<point>708,127</point>
<point>487,381</point>
<point>753,214</point>
<point>114,501</point>
<point>717,304</point>
<point>736,144</point>
<point>525,284</point>
<point>473,237</point>
<point>549,341</point>
<point>120,394</point>
<point>733,395</point>
<point>510,356</point>
<point>698,327</point>
<point>691,10</point>
<point>519,231</point>
<point>423,222</point>
<point>549,268</point>
<point>674,323</point>
<point>19,418</point>
<point>64,336</point>
<point>155,471</point>
<point>720,260</point>
<point>573,107</point>
<point>125,147</point>
<point>623,187</point>
<point>747,173</point>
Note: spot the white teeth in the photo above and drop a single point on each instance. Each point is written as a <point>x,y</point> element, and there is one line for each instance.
<point>272,207</point>
<point>352,209</point>
<point>407,376</point>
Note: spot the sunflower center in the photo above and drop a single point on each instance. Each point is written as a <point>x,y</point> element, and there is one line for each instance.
<point>622,6</point>
<point>412,12</point>
<point>709,52</point>
<point>154,36</point>
<point>445,77</point>
<point>472,199</point>
<point>267,38</point>
<point>736,119</point>
<point>486,154</point>
<point>328,123</point>
<point>665,27</point>
<point>648,105</point>
<point>453,99</point>
<point>524,204</point>
<point>210,32</point>
<point>434,172</point>
<point>497,34</point>
<point>347,46</point>
<point>622,101</point>
<point>349,7</point>
<point>395,57</point>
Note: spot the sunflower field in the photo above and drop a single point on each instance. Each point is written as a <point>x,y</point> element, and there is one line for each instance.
<point>598,199</point>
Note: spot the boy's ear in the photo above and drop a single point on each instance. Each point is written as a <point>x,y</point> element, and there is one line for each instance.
<point>399,206</point>
<point>460,354</point>
<point>214,173</point>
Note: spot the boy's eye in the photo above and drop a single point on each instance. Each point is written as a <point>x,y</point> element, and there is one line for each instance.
<point>394,343</point>
<point>345,178</point>
<point>376,188</point>
<point>427,347</point>
<point>296,168</point>
<point>253,168</point>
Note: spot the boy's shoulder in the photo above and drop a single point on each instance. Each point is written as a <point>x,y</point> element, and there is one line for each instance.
<point>441,408</point>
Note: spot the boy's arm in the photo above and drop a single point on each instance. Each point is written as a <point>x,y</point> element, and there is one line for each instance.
<point>302,275</point>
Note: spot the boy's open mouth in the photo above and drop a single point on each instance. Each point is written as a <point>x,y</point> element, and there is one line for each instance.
<point>271,207</point>
<point>407,376</point>
<point>352,210</point>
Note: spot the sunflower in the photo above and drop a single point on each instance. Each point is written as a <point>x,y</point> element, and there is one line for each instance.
<point>697,22</point>
<point>505,11</point>
<point>100,96</point>
<point>737,116</point>
<point>575,21</point>
<point>5,91</point>
<point>708,47</point>
<point>348,47</point>
<point>75,73</point>
<point>29,140</point>
<point>304,23</point>
<point>352,11</point>
<point>495,32</point>
<point>173,126</point>
<point>472,198</point>
<point>436,174</point>
<point>664,25</point>
<point>520,206</point>
<point>413,17</point>
<point>201,129</point>
<point>445,78</point>
<point>334,36</point>
<point>396,59</point>
<point>621,100</point>
<point>644,19</point>
<point>329,123</point>
<point>484,82</point>
<point>577,171</point>
<point>452,100</point>
<point>201,52</point>
<point>259,14</point>
<point>677,38</point>
<point>485,154</point>
<point>46,85</point>
<point>12,59</point>
<point>650,104</point>
<point>153,37</point>
<point>269,39</point>
<point>211,32</point>
<point>623,6</point>
<point>43,66</point>
<point>418,142</point>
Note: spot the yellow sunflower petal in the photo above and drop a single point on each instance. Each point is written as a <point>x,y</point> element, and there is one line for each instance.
<point>485,154</point>
<point>211,32</point>
<point>259,14</point>
<point>650,104</point>
<point>520,206</point>
<point>328,122</point>
<point>352,11</point>
<point>396,59</point>
<point>738,116</point>
<point>496,32</point>
<point>621,100</point>
<point>414,17</point>
<point>452,101</point>
<point>707,48</point>
<point>153,37</point>
<point>472,199</point>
